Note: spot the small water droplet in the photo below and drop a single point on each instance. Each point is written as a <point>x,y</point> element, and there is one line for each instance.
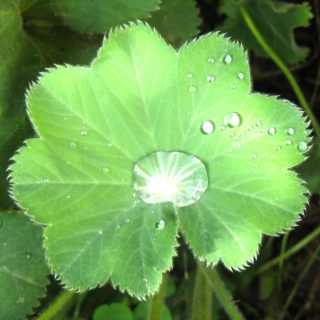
<point>240,75</point>
<point>231,134</point>
<point>207,127</point>
<point>211,60</point>
<point>232,120</point>
<point>227,59</point>
<point>110,145</point>
<point>258,123</point>
<point>233,87</point>
<point>85,148</point>
<point>100,232</point>
<point>302,146</point>
<point>83,133</point>
<point>73,145</point>
<point>84,121</point>
<point>45,180</point>
<point>253,156</point>
<point>237,145</point>
<point>117,227</point>
<point>145,281</point>
<point>222,128</point>
<point>68,196</point>
<point>278,148</point>
<point>272,131</point>
<point>291,131</point>
<point>127,220</point>
<point>288,142</point>
<point>192,89</point>
<point>20,300</point>
<point>250,128</point>
<point>211,78</point>
<point>160,224</point>
<point>105,170</point>
<point>28,255</point>
<point>189,75</point>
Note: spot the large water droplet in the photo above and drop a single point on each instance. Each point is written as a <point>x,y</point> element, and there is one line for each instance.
<point>174,177</point>
<point>211,78</point>
<point>207,127</point>
<point>272,131</point>
<point>160,224</point>
<point>192,89</point>
<point>291,131</point>
<point>211,60</point>
<point>302,146</point>
<point>227,59</point>
<point>240,75</point>
<point>232,120</point>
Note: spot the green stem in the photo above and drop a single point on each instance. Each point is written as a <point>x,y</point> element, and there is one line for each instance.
<point>222,294</point>
<point>277,60</point>
<point>157,301</point>
<point>57,306</point>
<point>293,250</point>
<point>202,298</point>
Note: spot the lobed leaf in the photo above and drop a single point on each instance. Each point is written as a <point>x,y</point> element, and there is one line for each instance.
<point>23,270</point>
<point>275,20</point>
<point>138,97</point>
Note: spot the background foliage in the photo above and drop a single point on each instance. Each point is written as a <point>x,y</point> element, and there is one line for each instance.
<point>36,34</point>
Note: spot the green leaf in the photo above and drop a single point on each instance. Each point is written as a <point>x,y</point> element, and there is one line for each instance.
<point>177,21</point>
<point>276,22</point>
<point>140,101</point>
<point>103,14</point>
<point>114,311</point>
<point>23,270</point>
<point>23,56</point>
<point>141,312</point>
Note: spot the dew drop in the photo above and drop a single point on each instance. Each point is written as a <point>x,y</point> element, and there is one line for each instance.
<point>207,127</point>
<point>127,220</point>
<point>160,224</point>
<point>278,148</point>
<point>211,60</point>
<point>45,180</point>
<point>240,75</point>
<point>190,75</point>
<point>288,142</point>
<point>117,227</point>
<point>227,59</point>
<point>83,133</point>
<point>250,128</point>
<point>192,89</point>
<point>20,300</point>
<point>211,78</point>
<point>145,280</point>
<point>232,120</point>
<point>73,145</point>
<point>174,177</point>
<point>222,128</point>
<point>233,87</point>
<point>110,145</point>
<point>28,255</point>
<point>237,145</point>
<point>272,131</point>
<point>302,146</point>
<point>253,156</point>
<point>105,170</point>
<point>258,123</point>
<point>100,232</point>
<point>291,131</point>
<point>4,244</point>
<point>68,196</point>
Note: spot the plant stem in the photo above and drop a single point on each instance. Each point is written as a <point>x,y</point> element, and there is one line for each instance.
<point>222,293</point>
<point>157,301</point>
<point>202,298</point>
<point>277,60</point>
<point>63,299</point>
<point>293,250</point>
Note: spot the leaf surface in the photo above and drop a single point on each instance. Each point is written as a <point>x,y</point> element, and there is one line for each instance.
<point>140,96</point>
<point>275,20</point>
<point>23,270</point>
